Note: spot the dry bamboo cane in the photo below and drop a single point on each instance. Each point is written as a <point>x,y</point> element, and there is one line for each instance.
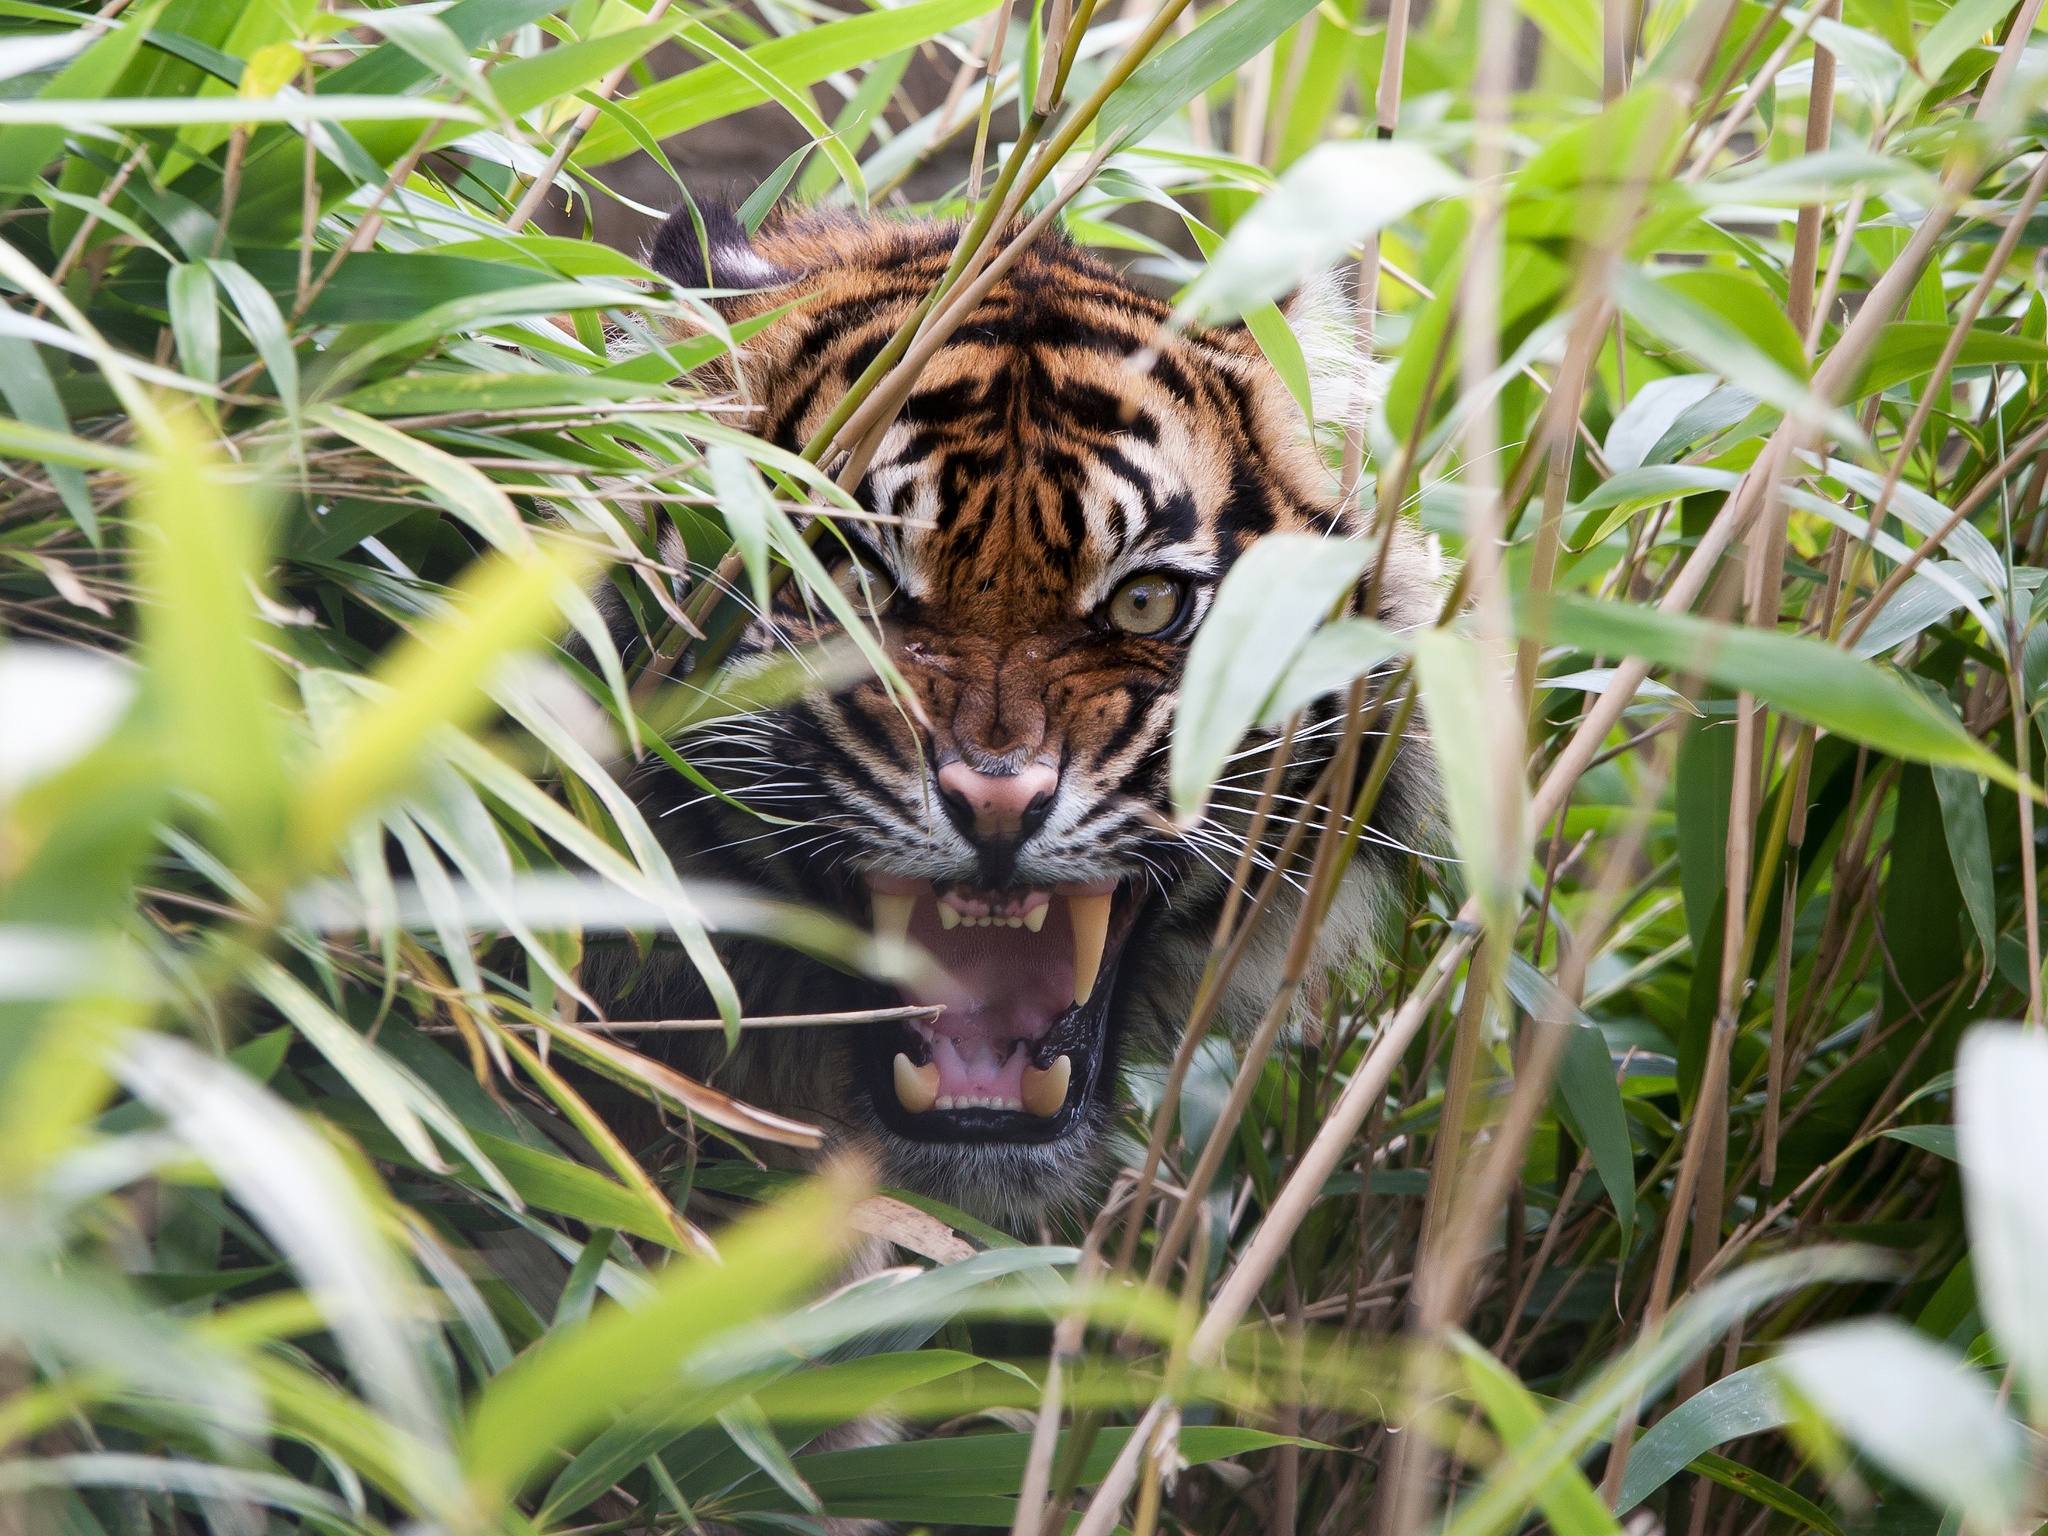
<point>1445,1294</point>
<point>1249,1275</point>
<point>1820,119</point>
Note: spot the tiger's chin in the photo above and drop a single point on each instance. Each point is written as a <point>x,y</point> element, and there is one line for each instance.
<point>1000,1100</point>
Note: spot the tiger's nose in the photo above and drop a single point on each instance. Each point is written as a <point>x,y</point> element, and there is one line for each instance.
<point>999,804</point>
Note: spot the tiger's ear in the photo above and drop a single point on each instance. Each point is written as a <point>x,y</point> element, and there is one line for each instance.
<point>710,249</point>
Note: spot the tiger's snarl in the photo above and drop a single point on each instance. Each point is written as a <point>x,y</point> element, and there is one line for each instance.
<point>1056,525</point>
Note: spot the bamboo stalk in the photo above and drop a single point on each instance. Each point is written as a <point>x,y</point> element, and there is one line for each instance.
<point>1820,118</point>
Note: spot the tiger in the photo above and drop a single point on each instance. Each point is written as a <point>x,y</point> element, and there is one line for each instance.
<point>1049,518</point>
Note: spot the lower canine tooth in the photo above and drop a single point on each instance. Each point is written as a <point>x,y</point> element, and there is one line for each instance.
<point>949,917</point>
<point>1045,1091</point>
<point>892,916</point>
<point>917,1088</point>
<point>1090,915</point>
<point>1035,918</point>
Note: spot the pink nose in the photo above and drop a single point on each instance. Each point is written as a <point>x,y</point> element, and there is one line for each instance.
<point>998,804</point>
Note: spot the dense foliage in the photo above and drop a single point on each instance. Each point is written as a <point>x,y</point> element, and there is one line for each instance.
<point>1712,346</point>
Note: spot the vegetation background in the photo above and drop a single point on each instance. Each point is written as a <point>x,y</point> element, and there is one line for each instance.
<point>1713,347</point>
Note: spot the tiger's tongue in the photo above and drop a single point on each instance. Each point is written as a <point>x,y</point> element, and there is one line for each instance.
<point>1004,989</point>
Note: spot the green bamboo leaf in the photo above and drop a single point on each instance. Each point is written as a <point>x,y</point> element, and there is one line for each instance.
<point>715,90</point>
<point>747,509</point>
<point>1501,1501</point>
<point>434,394</point>
<point>1634,489</point>
<point>523,84</point>
<point>748,1426</point>
<point>43,433</point>
<point>1714,341</point>
<point>1271,600</point>
<point>267,330</point>
<point>1572,27</point>
<point>1770,1493</point>
<point>195,319</point>
<point>967,1467</point>
<point>544,1181</point>
<point>1909,348</point>
<point>1745,1403</point>
<point>460,487</point>
<point>530,302</point>
<point>1802,677</point>
<point>1586,1083</point>
<point>571,258</point>
<point>791,98</point>
<point>1938,1139</point>
<point>406,1105</point>
<point>1959,27</point>
<point>1969,838</point>
<point>427,38</point>
<point>167,112</point>
<point>1269,328</point>
<point>24,149</point>
<point>1174,76</point>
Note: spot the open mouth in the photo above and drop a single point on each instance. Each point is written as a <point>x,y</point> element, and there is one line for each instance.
<point>1023,1042</point>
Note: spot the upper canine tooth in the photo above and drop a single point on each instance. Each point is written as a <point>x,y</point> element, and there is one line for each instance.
<point>1035,918</point>
<point>892,916</point>
<point>1046,1090</point>
<point>949,916</point>
<point>1090,916</point>
<point>917,1088</point>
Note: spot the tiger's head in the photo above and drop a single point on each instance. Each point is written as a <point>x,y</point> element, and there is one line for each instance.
<point>1051,526</point>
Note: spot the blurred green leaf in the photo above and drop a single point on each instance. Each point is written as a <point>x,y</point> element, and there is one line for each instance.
<point>1567,1500</point>
<point>1957,28</point>
<point>575,1380</point>
<point>1329,200</point>
<point>1262,615</point>
<point>1460,704</point>
<point>198,548</point>
<point>1332,657</point>
<point>438,677</point>
<point>1916,1410</point>
<point>2000,1136</point>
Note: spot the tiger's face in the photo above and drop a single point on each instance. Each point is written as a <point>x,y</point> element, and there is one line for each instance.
<point>1051,526</point>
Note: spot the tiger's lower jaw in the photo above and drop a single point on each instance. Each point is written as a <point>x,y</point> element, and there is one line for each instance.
<point>1001,1101</point>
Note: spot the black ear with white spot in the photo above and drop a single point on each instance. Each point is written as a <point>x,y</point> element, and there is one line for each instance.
<point>710,249</point>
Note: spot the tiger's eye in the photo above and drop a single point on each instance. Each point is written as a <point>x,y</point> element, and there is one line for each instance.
<point>1145,605</point>
<point>871,590</point>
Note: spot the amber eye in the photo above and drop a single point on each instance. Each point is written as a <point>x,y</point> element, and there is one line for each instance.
<point>871,589</point>
<point>1147,605</point>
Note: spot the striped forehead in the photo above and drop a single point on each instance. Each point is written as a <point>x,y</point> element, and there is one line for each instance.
<point>1038,492</point>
